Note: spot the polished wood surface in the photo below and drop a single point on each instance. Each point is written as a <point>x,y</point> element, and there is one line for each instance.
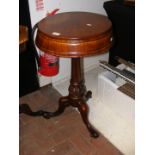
<point>23,34</point>
<point>23,38</point>
<point>74,34</point>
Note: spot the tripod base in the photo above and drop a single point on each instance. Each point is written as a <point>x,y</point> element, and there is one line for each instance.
<point>78,96</point>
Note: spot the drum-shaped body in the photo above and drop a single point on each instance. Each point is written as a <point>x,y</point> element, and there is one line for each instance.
<point>74,34</point>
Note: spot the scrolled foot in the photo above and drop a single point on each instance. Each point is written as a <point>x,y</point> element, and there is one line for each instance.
<point>24,108</point>
<point>93,132</point>
<point>63,103</point>
<point>83,108</point>
<point>47,115</point>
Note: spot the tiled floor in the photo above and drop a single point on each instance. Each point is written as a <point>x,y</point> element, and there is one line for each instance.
<point>62,135</point>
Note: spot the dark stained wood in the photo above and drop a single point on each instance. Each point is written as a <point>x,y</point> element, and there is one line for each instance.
<point>74,35</point>
<point>73,25</point>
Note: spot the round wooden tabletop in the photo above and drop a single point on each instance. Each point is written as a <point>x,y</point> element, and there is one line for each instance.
<point>74,34</point>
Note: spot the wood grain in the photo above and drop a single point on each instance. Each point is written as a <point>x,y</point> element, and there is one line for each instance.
<point>74,34</point>
<point>23,34</point>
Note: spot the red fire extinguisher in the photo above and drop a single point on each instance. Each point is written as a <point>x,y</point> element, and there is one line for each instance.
<point>48,65</point>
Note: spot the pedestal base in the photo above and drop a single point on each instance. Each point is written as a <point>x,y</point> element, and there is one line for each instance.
<point>77,98</point>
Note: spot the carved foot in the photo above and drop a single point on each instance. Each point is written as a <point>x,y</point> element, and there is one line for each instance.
<point>63,103</point>
<point>24,108</point>
<point>83,108</point>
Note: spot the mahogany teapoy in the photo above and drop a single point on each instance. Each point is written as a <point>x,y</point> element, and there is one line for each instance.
<point>74,35</point>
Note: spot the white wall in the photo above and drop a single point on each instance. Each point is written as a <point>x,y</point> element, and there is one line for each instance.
<point>95,6</point>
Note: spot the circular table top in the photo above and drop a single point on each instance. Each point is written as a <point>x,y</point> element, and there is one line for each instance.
<point>74,34</point>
